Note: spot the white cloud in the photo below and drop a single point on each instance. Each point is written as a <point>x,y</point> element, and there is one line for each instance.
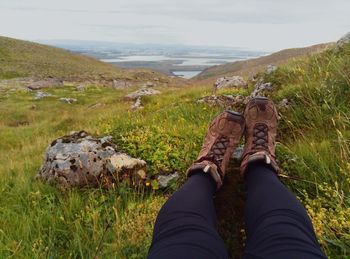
<point>254,24</point>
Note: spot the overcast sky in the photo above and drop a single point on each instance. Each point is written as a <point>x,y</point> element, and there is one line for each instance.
<point>266,25</point>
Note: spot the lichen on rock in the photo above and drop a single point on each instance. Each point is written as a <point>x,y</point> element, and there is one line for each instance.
<point>80,160</point>
<point>230,82</point>
<point>141,92</point>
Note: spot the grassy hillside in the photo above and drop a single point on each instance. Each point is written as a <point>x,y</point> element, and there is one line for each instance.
<point>20,58</point>
<point>38,221</point>
<point>248,68</point>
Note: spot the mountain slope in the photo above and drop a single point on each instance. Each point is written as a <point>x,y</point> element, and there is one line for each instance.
<point>313,149</point>
<point>252,66</point>
<point>20,58</point>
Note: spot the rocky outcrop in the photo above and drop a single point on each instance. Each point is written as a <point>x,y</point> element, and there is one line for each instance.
<point>141,92</point>
<point>137,104</point>
<point>80,160</point>
<point>137,96</point>
<point>149,84</point>
<point>225,101</point>
<point>230,82</point>
<point>261,88</point>
<point>121,84</point>
<point>239,101</point>
<point>47,83</point>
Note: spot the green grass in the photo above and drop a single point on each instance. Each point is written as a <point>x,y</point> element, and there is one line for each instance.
<point>315,134</point>
<point>248,68</point>
<point>38,221</point>
<point>20,58</point>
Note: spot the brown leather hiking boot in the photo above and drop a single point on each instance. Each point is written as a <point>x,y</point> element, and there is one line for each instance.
<point>260,133</point>
<point>222,137</point>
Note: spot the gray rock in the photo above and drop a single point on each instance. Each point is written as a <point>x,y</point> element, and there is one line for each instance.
<point>270,69</point>
<point>237,154</point>
<point>68,100</point>
<point>164,180</point>
<point>17,83</point>
<point>285,103</point>
<point>343,41</point>
<point>121,84</point>
<point>80,88</point>
<point>149,84</point>
<point>79,160</point>
<point>225,101</point>
<point>230,82</point>
<point>261,88</point>
<point>137,104</point>
<point>47,83</point>
<point>40,95</point>
<point>141,92</point>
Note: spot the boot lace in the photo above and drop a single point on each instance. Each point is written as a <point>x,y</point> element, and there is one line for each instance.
<point>219,148</point>
<point>260,137</point>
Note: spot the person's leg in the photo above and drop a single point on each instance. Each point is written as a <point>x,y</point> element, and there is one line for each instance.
<point>277,224</point>
<point>185,226</point>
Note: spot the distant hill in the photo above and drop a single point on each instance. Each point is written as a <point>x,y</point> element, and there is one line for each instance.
<point>250,67</point>
<point>20,58</point>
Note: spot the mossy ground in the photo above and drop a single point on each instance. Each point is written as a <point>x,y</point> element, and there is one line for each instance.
<point>38,221</point>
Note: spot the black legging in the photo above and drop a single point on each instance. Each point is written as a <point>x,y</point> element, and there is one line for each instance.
<point>277,224</point>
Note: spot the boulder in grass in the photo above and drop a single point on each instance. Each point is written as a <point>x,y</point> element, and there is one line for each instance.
<point>141,92</point>
<point>225,101</point>
<point>137,104</point>
<point>230,82</point>
<point>165,180</point>
<point>80,160</point>
<point>260,89</point>
<point>68,100</point>
<point>285,104</point>
<point>40,95</point>
<point>120,84</point>
<point>46,83</point>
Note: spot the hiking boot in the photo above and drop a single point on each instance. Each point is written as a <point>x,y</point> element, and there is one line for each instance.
<point>260,133</point>
<point>222,137</point>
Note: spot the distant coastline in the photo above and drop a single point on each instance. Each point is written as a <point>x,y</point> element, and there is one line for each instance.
<point>173,60</point>
<point>186,66</point>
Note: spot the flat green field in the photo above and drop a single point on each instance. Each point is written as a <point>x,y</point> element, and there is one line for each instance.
<point>38,221</point>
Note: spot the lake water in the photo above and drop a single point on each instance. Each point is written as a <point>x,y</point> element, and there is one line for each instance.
<point>184,60</point>
<point>173,59</point>
<point>186,74</point>
<point>193,62</point>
